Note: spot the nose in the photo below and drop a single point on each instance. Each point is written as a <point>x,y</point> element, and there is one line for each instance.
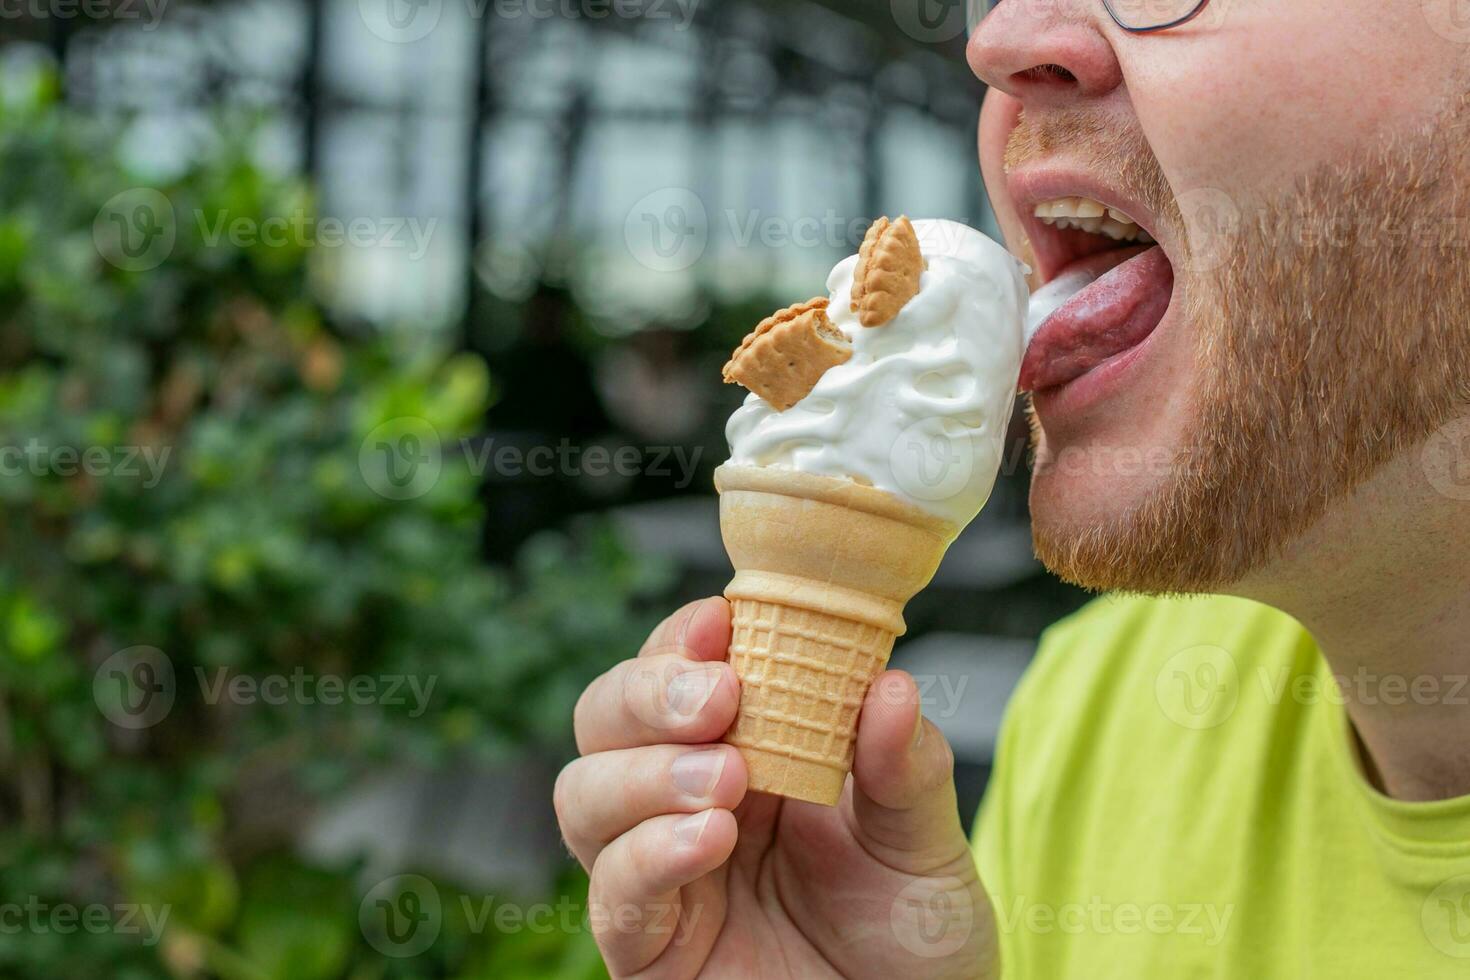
<point>1045,51</point>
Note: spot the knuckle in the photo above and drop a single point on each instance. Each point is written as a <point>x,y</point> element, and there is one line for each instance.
<point>665,632</point>
<point>580,712</point>
<point>561,794</point>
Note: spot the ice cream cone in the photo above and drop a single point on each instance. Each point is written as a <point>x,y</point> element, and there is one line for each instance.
<point>823,570</point>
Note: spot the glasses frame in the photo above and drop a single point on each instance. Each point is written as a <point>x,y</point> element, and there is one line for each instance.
<point>1199,8</point>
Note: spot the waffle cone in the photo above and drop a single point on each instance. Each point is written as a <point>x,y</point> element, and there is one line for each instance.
<point>823,570</point>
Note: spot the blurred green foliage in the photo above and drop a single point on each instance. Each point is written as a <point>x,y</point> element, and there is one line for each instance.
<point>254,545</point>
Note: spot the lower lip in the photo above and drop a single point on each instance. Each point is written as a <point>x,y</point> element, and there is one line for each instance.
<point>1101,381</point>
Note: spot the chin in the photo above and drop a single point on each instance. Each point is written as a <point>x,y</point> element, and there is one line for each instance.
<point>1106,508</point>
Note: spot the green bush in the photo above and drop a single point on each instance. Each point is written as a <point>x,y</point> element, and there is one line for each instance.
<point>232,523</point>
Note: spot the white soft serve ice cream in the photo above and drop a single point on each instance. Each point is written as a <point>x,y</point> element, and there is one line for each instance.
<point>921,408</point>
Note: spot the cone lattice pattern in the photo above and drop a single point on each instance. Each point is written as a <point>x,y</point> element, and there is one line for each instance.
<point>803,677</point>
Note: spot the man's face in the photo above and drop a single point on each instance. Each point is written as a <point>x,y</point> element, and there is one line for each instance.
<point>1302,320</point>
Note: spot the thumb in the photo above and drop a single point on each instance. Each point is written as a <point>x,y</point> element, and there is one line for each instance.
<point>903,782</point>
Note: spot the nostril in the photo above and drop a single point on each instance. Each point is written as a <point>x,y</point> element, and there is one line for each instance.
<point>1047,74</point>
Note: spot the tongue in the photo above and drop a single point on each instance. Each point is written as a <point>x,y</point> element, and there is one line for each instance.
<point>1106,318</point>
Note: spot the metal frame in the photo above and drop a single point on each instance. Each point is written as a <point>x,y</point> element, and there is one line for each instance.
<point>1198,9</point>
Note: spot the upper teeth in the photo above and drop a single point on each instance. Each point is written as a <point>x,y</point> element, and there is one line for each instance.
<point>1091,216</point>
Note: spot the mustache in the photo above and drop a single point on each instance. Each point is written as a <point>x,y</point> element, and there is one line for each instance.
<point>1101,145</point>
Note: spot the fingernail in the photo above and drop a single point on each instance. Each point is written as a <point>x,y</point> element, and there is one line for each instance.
<point>692,689</point>
<point>691,828</point>
<point>697,773</point>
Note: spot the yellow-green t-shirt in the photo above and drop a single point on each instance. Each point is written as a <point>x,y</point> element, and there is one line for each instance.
<point>1176,796</point>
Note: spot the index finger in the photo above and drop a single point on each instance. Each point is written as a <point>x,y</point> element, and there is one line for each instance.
<point>698,631</point>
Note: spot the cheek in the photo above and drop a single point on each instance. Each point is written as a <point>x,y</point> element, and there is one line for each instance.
<point>1266,90</point>
<point>997,120</point>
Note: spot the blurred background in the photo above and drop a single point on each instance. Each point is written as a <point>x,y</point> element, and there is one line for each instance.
<point>359,402</point>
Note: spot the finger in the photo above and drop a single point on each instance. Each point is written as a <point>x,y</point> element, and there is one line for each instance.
<point>601,797</point>
<point>634,899</point>
<point>698,631</point>
<point>903,770</point>
<point>656,700</point>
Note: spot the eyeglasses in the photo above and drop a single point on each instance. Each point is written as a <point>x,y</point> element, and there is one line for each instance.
<point>1150,16</point>
<point>1141,16</point>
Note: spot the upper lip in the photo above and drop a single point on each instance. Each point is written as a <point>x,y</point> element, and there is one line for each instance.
<point>1049,182</point>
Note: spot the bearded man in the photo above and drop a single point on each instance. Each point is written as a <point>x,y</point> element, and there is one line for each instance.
<point>1252,758</point>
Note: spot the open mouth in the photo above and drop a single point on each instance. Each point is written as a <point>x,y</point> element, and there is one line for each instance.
<point>1132,283</point>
